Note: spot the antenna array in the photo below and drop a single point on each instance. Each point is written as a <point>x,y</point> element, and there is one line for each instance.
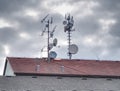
<point>68,27</point>
<point>50,34</point>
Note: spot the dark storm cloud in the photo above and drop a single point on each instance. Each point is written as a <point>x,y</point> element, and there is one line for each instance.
<point>111,9</point>
<point>13,5</point>
<point>29,25</point>
<point>110,5</point>
<point>115,30</point>
<point>87,26</point>
<point>107,9</point>
<point>8,35</point>
<point>7,6</point>
<point>13,11</point>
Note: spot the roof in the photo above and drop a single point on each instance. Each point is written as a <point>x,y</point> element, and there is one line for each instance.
<point>75,67</point>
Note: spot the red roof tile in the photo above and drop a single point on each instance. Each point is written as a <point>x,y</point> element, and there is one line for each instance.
<point>65,67</point>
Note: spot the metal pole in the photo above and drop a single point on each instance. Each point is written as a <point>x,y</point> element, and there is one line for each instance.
<point>68,27</point>
<point>69,42</point>
<point>48,42</point>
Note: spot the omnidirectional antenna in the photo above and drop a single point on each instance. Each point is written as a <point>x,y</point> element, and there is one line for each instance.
<point>44,18</point>
<point>51,33</point>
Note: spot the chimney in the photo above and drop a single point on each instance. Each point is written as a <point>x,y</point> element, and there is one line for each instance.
<point>37,68</point>
<point>62,68</point>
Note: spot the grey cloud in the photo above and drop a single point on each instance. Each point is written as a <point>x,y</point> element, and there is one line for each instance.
<point>110,5</point>
<point>7,6</point>
<point>8,35</point>
<point>14,5</point>
<point>84,26</point>
<point>107,8</point>
<point>30,26</point>
<point>115,29</point>
<point>25,48</point>
<point>1,51</point>
<point>87,26</point>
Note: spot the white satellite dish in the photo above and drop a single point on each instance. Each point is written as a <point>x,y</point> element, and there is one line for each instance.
<point>50,46</point>
<point>55,42</point>
<point>53,54</point>
<point>73,49</point>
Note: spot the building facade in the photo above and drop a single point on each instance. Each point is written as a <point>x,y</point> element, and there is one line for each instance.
<point>34,74</point>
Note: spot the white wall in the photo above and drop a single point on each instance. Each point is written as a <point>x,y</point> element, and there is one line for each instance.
<point>9,71</point>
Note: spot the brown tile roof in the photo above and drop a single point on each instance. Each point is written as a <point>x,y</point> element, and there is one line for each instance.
<point>65,67</point>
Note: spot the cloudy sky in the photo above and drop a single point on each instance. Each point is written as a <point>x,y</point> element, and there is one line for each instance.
<point>97,24</point>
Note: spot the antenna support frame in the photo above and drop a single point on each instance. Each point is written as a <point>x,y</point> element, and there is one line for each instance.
<point>68,27</point>
<point>47,27</point>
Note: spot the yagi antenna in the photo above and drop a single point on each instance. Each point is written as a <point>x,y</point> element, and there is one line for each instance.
<point>51,33</point>
<point>43,31</point>
<point>44,18</point>
<point>49,22</point>
<point>43,48</point>
<point>54,28</point>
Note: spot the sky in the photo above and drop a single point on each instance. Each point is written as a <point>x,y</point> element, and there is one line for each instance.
<point>97,24</point>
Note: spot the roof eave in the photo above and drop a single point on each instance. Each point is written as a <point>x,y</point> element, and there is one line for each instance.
<point>67,75</point>
<point>5,66</point>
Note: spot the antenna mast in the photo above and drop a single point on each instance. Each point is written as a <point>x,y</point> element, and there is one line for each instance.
<point>47,25</point>
<point>68,27</point>
<point>49,35</point>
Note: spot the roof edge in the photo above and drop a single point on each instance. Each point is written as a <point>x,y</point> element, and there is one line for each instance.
<point>5,66</point>
<point>67,59</point>
<point>68,75</point>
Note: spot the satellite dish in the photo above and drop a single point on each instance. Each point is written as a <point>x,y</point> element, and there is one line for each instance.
<point>64,22</point>
<point>50,46</point>
<point>53,54</point>
<point>73,49</point>
<point>55,42</point>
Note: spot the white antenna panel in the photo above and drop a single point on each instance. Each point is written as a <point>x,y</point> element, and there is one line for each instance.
<point>55,42</point>
<point>50,46</point>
